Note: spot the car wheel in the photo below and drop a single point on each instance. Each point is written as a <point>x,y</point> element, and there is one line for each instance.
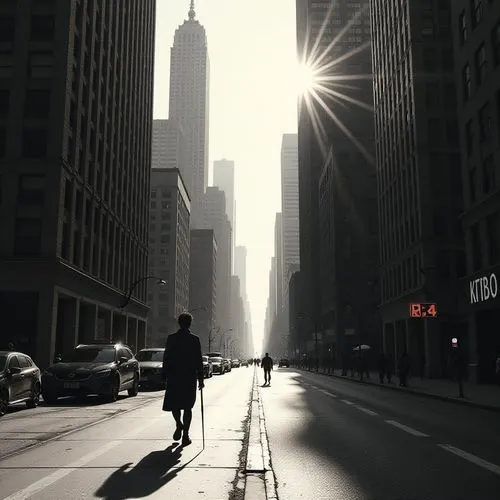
<point>34,399</point>
<point>135,387</point>
<point>4,403</point>
<point>114,390</point>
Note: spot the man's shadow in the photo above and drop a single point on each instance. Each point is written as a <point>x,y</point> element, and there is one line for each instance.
<point>149,475</point>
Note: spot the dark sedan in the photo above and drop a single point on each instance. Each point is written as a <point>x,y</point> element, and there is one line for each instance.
<point>105,370</point>
<point>19,380</point>
<point>151,363</point>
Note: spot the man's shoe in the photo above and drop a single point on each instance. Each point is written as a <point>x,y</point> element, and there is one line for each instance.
<point>178,433</point>
<point>186,441</point>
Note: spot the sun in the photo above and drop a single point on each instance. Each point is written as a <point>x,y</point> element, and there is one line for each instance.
<point>305,79</point>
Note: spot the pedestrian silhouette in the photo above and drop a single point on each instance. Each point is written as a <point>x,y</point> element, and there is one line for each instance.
<point>182,367</point>
<point>267,365</point>
<point>404,369</point>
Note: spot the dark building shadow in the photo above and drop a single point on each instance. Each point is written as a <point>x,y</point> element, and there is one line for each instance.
<point>388,466</point>
<point>149,475</point>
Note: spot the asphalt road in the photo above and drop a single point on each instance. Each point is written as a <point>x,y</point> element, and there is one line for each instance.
<point>334,439</point>
<point>125,449</point>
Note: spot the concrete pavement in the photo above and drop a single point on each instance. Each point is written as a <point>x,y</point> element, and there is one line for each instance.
<point>130,455</point>
<point>331,439</point>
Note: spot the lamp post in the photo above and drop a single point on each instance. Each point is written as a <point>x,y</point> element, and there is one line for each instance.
<point>314,322</point>
<point>127,297</point>
<point>223,338</point>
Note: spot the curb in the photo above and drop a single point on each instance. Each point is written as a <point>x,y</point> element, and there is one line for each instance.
<point>260,483</point>
<point>415,392</point>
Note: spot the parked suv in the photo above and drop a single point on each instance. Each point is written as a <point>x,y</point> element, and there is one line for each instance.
<point>151,365</point>
<point>19,380</point>
<point>103,369</point>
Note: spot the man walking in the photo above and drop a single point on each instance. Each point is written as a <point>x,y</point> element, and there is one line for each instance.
<point>182,367</point>
<point>267,365</point>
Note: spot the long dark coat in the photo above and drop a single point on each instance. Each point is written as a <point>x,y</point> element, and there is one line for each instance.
<point>182,367</point>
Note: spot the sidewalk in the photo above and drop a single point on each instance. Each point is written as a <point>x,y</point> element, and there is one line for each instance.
<point>476,395</point>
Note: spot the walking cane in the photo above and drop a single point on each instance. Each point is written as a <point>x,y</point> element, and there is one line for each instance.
<point>202,419</point>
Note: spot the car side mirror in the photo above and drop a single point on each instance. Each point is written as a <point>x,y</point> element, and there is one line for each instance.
<point>123,359</point>
<point>15,370</point>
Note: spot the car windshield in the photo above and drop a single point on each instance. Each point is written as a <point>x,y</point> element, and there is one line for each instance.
<point>216,360</point>
<point>205,359</point>
<point>93,355</point>
<point>3,361</point>
<point>150,356</point>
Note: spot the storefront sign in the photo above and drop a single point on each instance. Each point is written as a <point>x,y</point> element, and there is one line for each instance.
<point>484,288</point>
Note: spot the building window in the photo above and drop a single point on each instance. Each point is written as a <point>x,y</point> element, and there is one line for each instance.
<point>476,248</point>
<point>31,190</point>
<point>481,64</point>
<point>469,137</point>
<point>432,95</point>
<point>472,184</point>
<point>485,123</point>
<point>7,29</point>
<point>452,131</point>
<point>165,205</point>
<point>153,204</point>
<point>6,64</point>
<point>42,28</point>
<point>34,143</point>
<point>488,174</point>
<point>28,237</point>
<point>4,103</point>
<point>466,82</point>
<point>495,43</point>
<point>477,11</point>
<point>37,103</point>
<point>463,27</point>
<point>493,236</point>
<point>153,193</point>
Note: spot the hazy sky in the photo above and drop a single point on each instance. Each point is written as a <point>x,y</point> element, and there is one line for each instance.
<point>253,102</point>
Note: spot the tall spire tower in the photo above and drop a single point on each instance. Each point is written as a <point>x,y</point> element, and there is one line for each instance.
<point>188,105</point>
<point>191,13</point>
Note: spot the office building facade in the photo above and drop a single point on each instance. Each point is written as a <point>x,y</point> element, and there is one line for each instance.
<point>476,36</point>
<point>75,156</point>
<point>203,284</point>
<point>189,106</point>
<point>419,189</point>
<point>169,146</point>
<point>169,253</point>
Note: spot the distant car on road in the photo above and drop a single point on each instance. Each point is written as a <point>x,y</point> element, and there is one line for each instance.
<point>208,369</point>
<point>227,364</point>
<point>217,365</point>
<point>151,366</point>
<point>20,380</point>
<point>284,363</point>
<point>244,363</point>
<point>103,369</point>
<point>235,363</point>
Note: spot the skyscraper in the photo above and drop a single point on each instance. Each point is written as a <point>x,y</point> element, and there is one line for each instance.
<point>75,156</point>
<point>169,242</point>
<point>476,33</point>
<point>215,217</point>
<point>224,179</point>
<point>337,177</point>
<point>169,145</point>
<point>420,193</point>
<point>189,106</point>
<point>290,215</point>
<point>240,268</point>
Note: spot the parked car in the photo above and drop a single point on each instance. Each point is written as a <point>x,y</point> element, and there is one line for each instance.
<point>235,363</point>
<point>227,364</point>
<point>19,380</point>
<point>151,366</point>
<point>217,365</point>
<point>208,369</point>
<point>103,369</point>
<point>284,363</point>
<point>244,363</point>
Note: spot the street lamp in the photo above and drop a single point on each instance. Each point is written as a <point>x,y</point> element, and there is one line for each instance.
<point>222,339</point>
<point>127,297</point>
<point>304,315</point>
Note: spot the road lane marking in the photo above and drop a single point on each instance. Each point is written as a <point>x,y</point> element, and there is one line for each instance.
<point>49,480</point>
<point>369,412</point>
<point>407,429</point>
<point>347,402</point>
<point>471,458</point>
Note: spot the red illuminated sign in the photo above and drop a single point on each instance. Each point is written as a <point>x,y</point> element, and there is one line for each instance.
<point>418,310</point>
